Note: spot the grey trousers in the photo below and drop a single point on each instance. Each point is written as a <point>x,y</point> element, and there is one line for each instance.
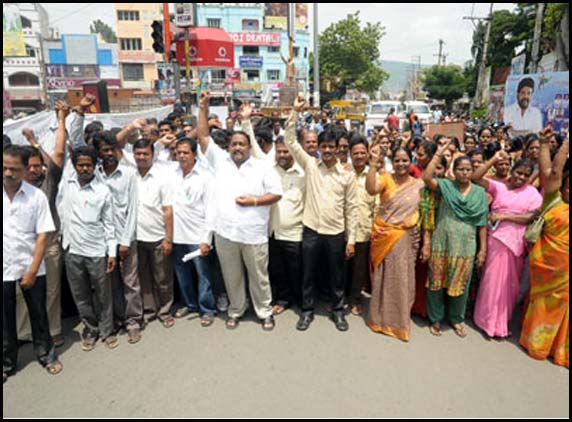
<point>232,257</point>
<point>92,293</point>
<point>127,299</point>
<point>54,265</point>
<point>156,278</point>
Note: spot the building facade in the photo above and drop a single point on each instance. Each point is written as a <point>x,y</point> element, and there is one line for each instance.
<point>137,60</point>
<point>76,59</point>
<point>22,77</point>
<point>259,44</point>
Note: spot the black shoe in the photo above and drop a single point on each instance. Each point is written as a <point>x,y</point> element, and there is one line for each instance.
<point>305,320</point>
<point>340,321</point>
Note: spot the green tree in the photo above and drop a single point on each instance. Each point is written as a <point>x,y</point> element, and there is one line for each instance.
<point>348,56</point>
<point>107,33</point>
<point>444,83</point>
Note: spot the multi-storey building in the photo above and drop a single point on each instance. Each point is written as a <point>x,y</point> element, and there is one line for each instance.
<point>23,77</point>
<point>137,60</point>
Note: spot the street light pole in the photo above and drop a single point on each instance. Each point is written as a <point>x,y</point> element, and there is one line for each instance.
<point>479,100</point>
<point>316,58</point>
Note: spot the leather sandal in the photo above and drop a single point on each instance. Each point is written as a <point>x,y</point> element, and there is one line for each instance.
<point>54,368</point>
<point>232,323</point>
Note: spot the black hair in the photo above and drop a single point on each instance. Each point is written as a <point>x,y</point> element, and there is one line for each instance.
<point>437,138</point>
<point>144,144</point>
<point>106,137</point>
<point>240,132</point>
<point>483,129</point>
<point>476,152</point>
<point>279,140</point>
<point>221,138</point>
<point>358,140</point>
<point>6,142</point>
<point>516,144</point>
<point>18,151</point>
<point>173,116</point>
<point>34,152</point>
<point>116,131</point>
<point>526,83</point>
<point>430,148</point>
<point>443,162</point>
<point>264,134</point>
<point>167,123</point>
<point>530,139</point>
<point>417,141</point>
<point>188,141</point>
<point>329,136</point>
<point>152,121</point>
<point>455,141</point>
<point>91,129</point>
<point>84,151</point>
<point>459,160</point>
<point>491,149</point>
<point>400,148</point>
<point>523,162</point>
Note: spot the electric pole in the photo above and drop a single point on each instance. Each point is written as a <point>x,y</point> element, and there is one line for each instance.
<point>316,58</point>
<point>541,7</point>
<point>440,55</point>
<point>479,100</point>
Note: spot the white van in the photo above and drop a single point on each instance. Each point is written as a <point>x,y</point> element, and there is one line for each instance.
<point>377,112</point>
<point>421,110</point>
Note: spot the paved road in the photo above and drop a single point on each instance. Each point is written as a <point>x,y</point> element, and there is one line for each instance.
<point>194,372</point>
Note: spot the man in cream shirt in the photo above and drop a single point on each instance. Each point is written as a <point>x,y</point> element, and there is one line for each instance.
<point>521,117</point>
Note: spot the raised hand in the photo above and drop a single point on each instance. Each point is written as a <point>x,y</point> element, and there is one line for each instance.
<point>87,101</point>
<point>299,103</point>
<point>205,99</point>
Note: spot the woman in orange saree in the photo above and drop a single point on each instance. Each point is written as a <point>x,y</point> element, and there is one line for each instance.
<point>394,246</point>
<point>545,331</point>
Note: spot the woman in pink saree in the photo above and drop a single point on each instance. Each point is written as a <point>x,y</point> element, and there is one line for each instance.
<point>514,206</point>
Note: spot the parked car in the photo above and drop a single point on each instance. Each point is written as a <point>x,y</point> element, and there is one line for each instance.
<point>421,110</point>
<point>377,112</point>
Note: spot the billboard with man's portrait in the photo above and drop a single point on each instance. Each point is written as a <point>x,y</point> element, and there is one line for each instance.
<point>533,101</point>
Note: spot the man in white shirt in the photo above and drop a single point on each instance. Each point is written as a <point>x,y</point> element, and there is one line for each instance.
<point>85,207</point>
<point>154,234</point>
<point>26,223</point>
<point>191,233</point>
<point>244,189</point>
<point>122,182</point>
<point>521,117</point>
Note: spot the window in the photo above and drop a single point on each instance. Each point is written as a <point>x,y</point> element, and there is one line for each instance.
<point>274,49</point>
<point>128,44</point>
<point>218,76</point>
<point>296,51</point>
<point>253,75</point>
<point>133,72</point>
<point>23,79</point>
<point>305,52</point>
<point>250,25</point>
<point>251,51</point>
<point>273,75</point>
<point>26,23</point>
<point>30,51</point>
<point>213,23</point>
<point>128,15</point>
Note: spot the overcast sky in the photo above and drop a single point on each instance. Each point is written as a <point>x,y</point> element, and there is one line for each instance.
<point>412,29</point>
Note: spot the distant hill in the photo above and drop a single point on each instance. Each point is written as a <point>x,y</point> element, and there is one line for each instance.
<point>398,75</point>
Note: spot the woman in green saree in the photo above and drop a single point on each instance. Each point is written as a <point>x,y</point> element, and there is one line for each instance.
<point>463,213</point>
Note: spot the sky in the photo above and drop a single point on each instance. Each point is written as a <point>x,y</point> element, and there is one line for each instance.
<point>412,29</point>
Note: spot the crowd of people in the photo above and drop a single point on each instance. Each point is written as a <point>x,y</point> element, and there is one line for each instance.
<point>269,216</point>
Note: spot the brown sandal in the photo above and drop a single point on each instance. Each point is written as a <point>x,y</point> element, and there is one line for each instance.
<point>232,323</point>
<point>169,322</point>
<point>435,329</point>
<point>54,368</point>
<point>460,330</point>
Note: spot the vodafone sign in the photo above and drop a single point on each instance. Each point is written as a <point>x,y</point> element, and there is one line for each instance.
<point>208,47</point>
<point>271,39</point>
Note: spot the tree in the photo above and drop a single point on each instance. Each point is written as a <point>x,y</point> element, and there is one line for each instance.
<point>444,83</point>
<point>348,56</point>
<point>107,33</point>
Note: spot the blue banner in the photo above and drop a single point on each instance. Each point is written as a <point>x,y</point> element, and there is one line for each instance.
<point>251,62</point>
